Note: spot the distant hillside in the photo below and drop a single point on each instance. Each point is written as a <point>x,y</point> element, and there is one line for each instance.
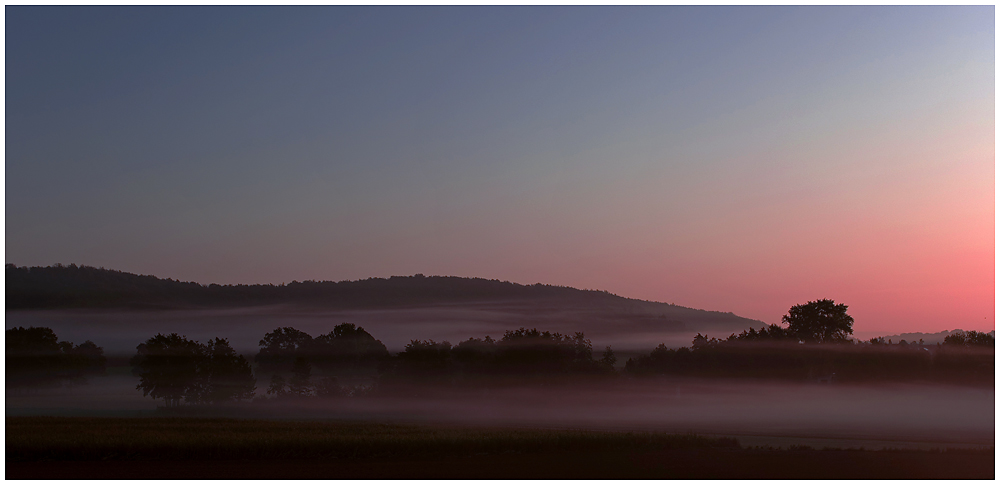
<point>72,286</point>
<point>395,309</point>
<point>88,287</point>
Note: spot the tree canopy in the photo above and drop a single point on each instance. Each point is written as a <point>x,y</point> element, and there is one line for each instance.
<point>174,368</point>
<point>347,346</point>
<point>226,376</point>
<point>971,338</point>
<point>518,353</point>
<point>280,347</point>
<point>820,321</point>
<point>35,355</point>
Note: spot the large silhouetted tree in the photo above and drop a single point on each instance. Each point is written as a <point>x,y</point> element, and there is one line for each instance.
<point>280,348</point>
<point>167,366</point>
<point>347,345</point>
<point>174,368</point>
<point>225,375</point>
<point>820,321</point>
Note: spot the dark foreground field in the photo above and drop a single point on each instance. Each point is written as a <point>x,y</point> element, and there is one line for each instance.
<point>175,448</point>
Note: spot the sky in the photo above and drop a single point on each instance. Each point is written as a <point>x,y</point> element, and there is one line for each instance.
<point>741,159</point>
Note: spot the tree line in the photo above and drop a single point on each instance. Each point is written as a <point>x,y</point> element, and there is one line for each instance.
<point>302,366</point>
<point>521,352</point>
<point>814,345</point>
<point>846,362</point>
<point>35,355</point>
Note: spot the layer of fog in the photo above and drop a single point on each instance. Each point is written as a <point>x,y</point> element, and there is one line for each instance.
<point>891,415</point>
<point>118,332</point>
<point>775,413</point>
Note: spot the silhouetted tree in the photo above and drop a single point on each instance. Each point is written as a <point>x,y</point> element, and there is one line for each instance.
<point>39,340</point>
<point>278,387</point>
<point>770,333</point>
<point>971,338</point>
<point>537,352</point>
<point>226,376</point>
<point>700,341</point>
<point>280,348</point>
<point>426,358</point>
<point>476,356</point>
<point>820,321</point>
<point>35,355</point>
<point>88,358</point>
<point>582,350</point>
<point>295,356</point>
<point>520,352</point>
<point>175,368</point>
<point>347,345</point>
<point>32,354</point>
<point>329,387</point>
<point>168,367</point>
<point>608,359</point>
<point>979,339</point>
<point>299,385</point>
<point>660,361</point>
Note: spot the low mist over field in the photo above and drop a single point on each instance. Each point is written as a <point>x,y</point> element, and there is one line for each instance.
<point>888,415</point>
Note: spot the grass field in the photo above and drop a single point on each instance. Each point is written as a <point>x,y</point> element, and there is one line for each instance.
<point>128,448</point>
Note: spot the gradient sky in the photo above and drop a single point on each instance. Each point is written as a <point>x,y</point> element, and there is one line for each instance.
<point>737,159</point>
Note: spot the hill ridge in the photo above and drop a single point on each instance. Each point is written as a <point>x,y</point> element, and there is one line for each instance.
<point>81,286</point>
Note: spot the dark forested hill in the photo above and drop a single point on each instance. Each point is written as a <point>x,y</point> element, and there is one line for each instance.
<point>88,287</point>
<point>395,309</point>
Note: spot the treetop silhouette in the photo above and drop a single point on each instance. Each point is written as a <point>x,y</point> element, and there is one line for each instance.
<point>820,321</point>
<point>173,367</point>
<point>35,355</point>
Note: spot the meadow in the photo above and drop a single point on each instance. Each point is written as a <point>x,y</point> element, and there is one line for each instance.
<point>186,447</point>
